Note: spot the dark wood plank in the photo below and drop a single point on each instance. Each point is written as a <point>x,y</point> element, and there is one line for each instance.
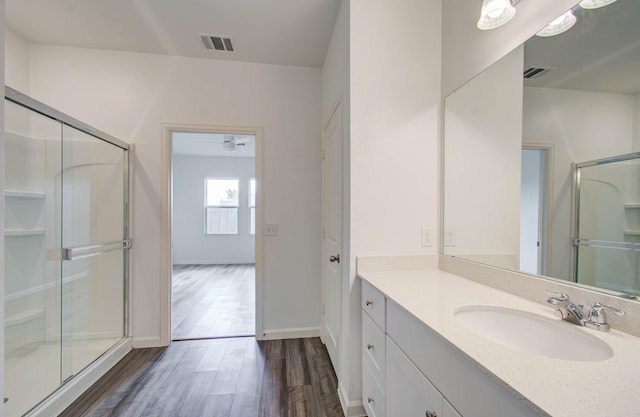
<point>236,377</point>
<point>116,383</point>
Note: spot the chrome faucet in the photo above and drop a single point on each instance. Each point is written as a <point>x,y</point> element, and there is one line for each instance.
<point>566,310</point>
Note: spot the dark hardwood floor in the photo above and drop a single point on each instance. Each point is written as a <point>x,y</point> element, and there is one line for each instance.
<point>237,377</point>
<point>213,301</point>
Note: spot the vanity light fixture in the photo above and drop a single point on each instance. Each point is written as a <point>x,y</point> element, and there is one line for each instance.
<point>495,13</point>
<point>595,4</point>
<point>559,25</point>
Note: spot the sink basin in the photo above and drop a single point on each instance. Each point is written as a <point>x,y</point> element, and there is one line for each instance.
<point>532,333</point>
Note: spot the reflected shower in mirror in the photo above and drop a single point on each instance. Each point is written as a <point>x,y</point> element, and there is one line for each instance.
<point>514,144</point>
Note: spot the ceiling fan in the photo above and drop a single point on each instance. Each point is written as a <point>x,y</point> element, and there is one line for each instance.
<point>231,142</point>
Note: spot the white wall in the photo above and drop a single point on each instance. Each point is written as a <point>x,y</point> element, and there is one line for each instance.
<point>131,95</point>
<point>482,155</point>
<point>582,126</point>
<point>190,244</point>
<point>2,79</point>
<point>466,51</point>
<point>17,62</point>
<point>395,97</point>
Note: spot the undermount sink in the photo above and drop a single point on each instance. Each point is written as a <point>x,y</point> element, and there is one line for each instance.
<point>533,333</point>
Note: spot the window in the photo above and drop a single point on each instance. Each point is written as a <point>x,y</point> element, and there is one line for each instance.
<point>252,206</point>
<point>221,211</point>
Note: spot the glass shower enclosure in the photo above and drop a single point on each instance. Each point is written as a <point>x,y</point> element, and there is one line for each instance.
<point>607,224</point>
<point>66,241</point>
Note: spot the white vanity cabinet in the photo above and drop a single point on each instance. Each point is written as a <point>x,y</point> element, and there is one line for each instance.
<point>409,392</point>
<point>420,374</point>
<point>373,350</point>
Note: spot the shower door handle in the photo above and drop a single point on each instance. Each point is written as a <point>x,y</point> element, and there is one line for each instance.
<point>82,252</point>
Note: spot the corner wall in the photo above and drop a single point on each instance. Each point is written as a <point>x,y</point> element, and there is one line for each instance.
<point>395,95</point>
<point>131,96</point>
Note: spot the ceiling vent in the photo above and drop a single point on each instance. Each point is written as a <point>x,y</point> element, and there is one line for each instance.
<point>533,72</point>
<point>219,43</point>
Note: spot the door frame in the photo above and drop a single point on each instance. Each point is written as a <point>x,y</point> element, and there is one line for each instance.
<point>547,172</point>
<point>166,252</point>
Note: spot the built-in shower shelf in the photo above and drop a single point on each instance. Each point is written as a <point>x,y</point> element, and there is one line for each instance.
<point>23,232</point>
<point>632,232</point>
<point>632,206</point>
<point>23,317</point>
<point>24,194</point>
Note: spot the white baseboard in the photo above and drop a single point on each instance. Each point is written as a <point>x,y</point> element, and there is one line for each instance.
<point>223,262</point>
<point>147,342</point>
<point>292,333</point>
<point>350,408</point>
<point>69,392</point>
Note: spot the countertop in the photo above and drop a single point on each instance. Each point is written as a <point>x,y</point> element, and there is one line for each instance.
<point>560,388</point>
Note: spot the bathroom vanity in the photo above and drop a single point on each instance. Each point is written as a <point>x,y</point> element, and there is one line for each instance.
<point>421,359</point>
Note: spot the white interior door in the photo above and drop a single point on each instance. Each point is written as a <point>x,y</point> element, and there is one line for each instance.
<point>332,232</point>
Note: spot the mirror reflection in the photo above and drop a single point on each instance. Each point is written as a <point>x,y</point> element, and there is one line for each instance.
<point>541,161</point>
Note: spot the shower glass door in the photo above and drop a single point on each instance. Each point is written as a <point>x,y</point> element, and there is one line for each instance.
<point>65,250</point>
<point>32,268</point>
<point>93,241</point>
<point>608,224</point>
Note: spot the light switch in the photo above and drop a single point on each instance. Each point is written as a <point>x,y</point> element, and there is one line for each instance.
<point>271,230</point>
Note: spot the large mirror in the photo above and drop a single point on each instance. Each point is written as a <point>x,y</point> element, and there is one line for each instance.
<point>541,162</point>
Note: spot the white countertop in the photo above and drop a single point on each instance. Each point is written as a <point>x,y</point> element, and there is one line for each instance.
<point>561,388</point>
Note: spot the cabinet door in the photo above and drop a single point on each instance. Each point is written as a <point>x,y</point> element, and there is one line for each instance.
<point>448,410</point>
<point>373,349</point>
<point>409,393</point>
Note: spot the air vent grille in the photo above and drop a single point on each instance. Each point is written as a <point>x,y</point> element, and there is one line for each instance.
<point>533,72</point>
<point>216,42</point>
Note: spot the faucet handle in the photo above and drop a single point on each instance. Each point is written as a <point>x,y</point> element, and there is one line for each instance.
<point>556,298</point>
<point>597,319</point>
<point>597,312</point>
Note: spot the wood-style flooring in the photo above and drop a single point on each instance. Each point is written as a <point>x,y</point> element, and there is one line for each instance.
<point>237,377</point>
<point>213,301</point>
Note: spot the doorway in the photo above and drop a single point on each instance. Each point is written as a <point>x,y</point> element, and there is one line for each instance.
<point>534,208</point>
<point>214,220</point>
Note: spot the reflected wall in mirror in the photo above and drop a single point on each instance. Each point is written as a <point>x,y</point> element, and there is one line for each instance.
<point>513,145</point>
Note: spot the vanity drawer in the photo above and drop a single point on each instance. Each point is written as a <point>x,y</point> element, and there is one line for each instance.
<point>374,349</point>
<point>469,389</point>
<point>374,303</point>
<point>373,397</point>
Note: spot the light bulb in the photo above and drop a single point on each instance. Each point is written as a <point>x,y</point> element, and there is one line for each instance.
<point>559,25</point>
<point>495,13</point>
<point>595,4</point>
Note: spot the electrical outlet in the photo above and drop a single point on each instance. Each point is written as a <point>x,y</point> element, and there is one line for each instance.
<point>271,230</point>
<point>449,237</point>
<point>427,239</point>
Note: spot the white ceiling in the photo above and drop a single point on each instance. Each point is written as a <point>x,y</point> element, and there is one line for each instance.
<point>211,144</point>
<point>284,32</point>
<point>600,53</point>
